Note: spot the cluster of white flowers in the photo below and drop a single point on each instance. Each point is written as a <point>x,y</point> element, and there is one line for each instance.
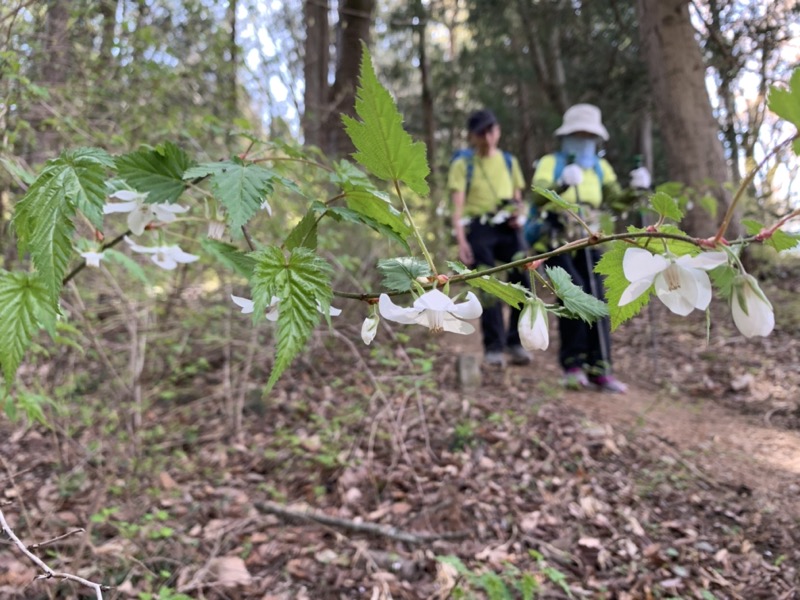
<point>682,284</point>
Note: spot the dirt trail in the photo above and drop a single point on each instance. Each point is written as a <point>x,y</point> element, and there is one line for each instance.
<point>720,443</point>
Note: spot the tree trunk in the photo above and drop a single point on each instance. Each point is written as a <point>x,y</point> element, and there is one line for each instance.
<point>690,132</point>
<point>53,65</point>
<point>315,71</point>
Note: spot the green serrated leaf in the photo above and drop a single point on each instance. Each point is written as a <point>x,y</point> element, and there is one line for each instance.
<point>710,204</point>
<point>301,281</point>
<point>666,206</point>
<point>230,256</point>
<point>400,273</point>
<point>781,240</point>
<point>576,302</point>
<point>554,198</point>
<point>304,234</point>
<point>340,213</point>
<point>25,305</point>
<point>372,205</point>
<point>130,265</point>
<point>383,147</point>
<point>32,405</point>
<point>610,265</point>
<point>346,173</point>
<point>158,171</point>
<point>18,171</point>
<point>511,293</point>
<point>43,220</point>
<point>751,226</point>
<point>240,187</point>
<point>722,278</point>
<point>786,102</point>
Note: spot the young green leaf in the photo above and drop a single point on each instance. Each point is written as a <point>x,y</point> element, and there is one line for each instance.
<point>554,198</point>
<point>241,187</point>
<point>130,265</point>
<point>383,147</point>
<point>374,206</point>
<point>304,234</point>
<point>610,265</point>
<point>666,206</point>
<point>400,273</point>
<point>340,213</point>
<point>158,171</point>
<point>230,256</point>
<point>576,302</point>
<point>43,220</point>
<point>510,293</point>
<point>302,282</point>
<point>25,306</point>
<point>786,103</point>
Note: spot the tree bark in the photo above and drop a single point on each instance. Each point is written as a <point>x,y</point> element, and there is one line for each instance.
<point>691,134</point>
<point>315,70</point>
<point>355,22</point>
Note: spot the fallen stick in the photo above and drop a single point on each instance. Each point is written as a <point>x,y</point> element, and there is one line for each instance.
<point>386,531</point>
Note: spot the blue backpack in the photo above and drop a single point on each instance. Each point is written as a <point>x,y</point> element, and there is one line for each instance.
<point>534,226</point>
<point>469,154</point>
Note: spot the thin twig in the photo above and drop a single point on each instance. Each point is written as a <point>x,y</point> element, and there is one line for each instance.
<point>56,539</point>
<point>47,572</point>
<point>392,533</point>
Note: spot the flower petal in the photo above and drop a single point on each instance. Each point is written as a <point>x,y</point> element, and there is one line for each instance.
<point>245,303</point>
<point>751,311</point>
<point>634,290</point>
<point>92,258</point>
<point>704,260</point>
<point>119,207</point>
<point>469,309</point>
<point>434,300</point>
<point>179,255</point>
<point>164,260</point>
<point>455,325</point>
<point>389,310</point>
<point>130,195</point>
<point>677,289</point>
<point>332,310</point>
<point>638,263</point>
<point>140,249</point>
<point>139,219</point>
<point>533,329</point>
<point>703,288</point>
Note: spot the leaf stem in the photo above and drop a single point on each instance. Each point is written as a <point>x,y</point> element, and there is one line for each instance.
<point>414,227</point>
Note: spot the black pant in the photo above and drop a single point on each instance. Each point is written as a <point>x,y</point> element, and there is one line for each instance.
<point>584,345</point>
<point>490,244</point>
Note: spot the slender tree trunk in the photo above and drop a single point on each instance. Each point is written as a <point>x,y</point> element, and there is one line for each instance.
<point>428,116</point>
<point>690,132</point>
<point>315,71</point>
<point>355,23</point>
<point>232,103</point>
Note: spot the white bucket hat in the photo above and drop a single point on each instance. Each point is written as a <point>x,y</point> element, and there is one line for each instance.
<point>583,117</point>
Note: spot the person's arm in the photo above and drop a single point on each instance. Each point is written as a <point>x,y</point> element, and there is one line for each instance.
<point>520,210</point>
<point>464,249</point>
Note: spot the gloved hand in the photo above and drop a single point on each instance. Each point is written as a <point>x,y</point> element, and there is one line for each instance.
<point>641,179</point>
<point>572,175</point>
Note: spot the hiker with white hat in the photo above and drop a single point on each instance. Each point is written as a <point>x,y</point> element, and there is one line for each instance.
<point>580,175</point>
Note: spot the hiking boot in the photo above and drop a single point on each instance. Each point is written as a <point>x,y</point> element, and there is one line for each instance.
<point>519,356</point>
<point>494,358</point>
<point>575,379</point>
<point>609,383</point>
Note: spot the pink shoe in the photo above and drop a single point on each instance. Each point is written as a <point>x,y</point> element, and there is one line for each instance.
<point>609,383</point>
<point>575,379</point>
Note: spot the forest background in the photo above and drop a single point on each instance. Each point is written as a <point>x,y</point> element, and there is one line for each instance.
<point>153,394</point>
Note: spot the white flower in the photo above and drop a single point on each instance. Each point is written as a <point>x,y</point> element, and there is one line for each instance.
<point>751,310</point>
<point>247,306</point>
<point>533,332</point>
<point>166,257</point>
<point>681,283</point>
<point>216,230</point>
<point>434,310</point>
<point>369,328</point>
<point>140,215</point>
<point>92,258</point>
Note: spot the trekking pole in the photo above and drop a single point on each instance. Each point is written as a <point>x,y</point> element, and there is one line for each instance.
<point>601,333</point>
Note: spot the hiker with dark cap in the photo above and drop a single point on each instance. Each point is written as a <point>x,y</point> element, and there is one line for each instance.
<point>486,186</point>
<point>581,176</point>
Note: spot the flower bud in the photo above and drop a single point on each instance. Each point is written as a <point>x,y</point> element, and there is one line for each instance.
<point>752,312</point>
<point>533,331</point>
<point>369,329</point>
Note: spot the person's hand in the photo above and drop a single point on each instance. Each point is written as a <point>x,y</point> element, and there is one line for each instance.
<point>641,179</point>
<point>465,254</point>
<point>572,175</point>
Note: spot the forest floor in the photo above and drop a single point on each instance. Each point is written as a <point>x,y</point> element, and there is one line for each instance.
<point>370,474</point>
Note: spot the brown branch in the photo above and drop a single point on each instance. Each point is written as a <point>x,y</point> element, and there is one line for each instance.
<point>387,531</point>
<point>82,265</point>
<point>47,572</point>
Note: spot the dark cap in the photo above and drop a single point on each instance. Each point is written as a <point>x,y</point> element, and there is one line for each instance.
<point>480,121</point>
